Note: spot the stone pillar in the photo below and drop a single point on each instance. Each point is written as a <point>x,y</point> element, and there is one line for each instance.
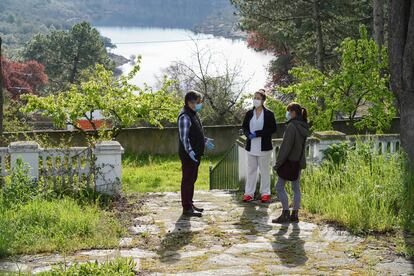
<point>326,138</point>
<point>108,167</point>
<point>28,153</point>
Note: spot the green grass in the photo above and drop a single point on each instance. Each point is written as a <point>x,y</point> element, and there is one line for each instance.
<point>120,266</point>
<point>155,173</point>
<point>366,193</point>
<point>57,225</point>
<point>35,221</point>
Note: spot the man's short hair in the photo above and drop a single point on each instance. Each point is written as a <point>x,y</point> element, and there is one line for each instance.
<point>192,96</point>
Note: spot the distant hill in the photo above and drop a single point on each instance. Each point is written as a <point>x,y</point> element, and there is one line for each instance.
<point>20,20</point>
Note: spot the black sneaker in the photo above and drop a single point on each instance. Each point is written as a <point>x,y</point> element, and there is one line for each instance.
<point>294,217</point>
<point>200,210</point>
<point>191,213</point>
<point>283,218</point>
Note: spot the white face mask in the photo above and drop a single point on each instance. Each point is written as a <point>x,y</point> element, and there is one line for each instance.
<point>257,103</point>
<point>288,117</point>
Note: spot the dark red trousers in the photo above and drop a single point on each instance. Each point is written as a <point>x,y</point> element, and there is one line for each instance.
<point>190,172</point>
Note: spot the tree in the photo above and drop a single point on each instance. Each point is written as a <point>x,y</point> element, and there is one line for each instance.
<point>378,22</point>
<point>1,89</point>
<point>23,77</point>
<point>359,86</point>
<point>310,28</point>
<point>300,32</point>
<point>65,53</point>
<point>121,103</point>
<point>401,57</point>
<point>222,87</point>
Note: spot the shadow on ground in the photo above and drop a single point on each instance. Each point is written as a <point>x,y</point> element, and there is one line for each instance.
<point>175,240</point>
<point>293,253</point>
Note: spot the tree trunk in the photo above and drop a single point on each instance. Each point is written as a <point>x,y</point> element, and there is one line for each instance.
<point>1,90</point>
<point>74,69</point>
<point>378,15</point>
<point>401,58</point>
<point>406,106</point>
<point>320,48</point>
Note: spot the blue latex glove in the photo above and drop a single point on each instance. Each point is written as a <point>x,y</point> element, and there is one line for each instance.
<point>209,144</point>
<point>252,135</point>
<point>192,156</point>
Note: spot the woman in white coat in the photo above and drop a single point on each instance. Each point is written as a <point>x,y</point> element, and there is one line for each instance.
<point>258,125</point>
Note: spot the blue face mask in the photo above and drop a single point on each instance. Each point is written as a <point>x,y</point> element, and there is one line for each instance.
<point>198,107</point>
<point>288,116</point>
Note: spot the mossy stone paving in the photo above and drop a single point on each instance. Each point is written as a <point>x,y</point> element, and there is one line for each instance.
<point>232,238</point>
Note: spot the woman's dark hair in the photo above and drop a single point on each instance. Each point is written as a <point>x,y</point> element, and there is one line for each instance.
<point>262,93</point>
<point>192,96</point>
<point>301,112</point>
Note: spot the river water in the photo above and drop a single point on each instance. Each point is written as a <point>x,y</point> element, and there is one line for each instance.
<point>160,48</point>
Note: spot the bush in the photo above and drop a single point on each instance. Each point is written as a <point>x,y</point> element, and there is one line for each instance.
<point>19,188</point>
<point>336,153</point>
<point>368,192</point>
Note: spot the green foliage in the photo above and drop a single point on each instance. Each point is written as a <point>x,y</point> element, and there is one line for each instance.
<point>314,92</point>
<point>336,153</point>
<point>120,102</point>
<point>291,26</point>
<point>359,86</point>
<point>19,188</point>
<point>35,220</point>
<point>277,107</point>
<point>14,120</point>
<point>66,53</point>
<point>120,266</point>
<point>157,173</point>
<point>55,225</point>
<point>363,194</point>
<point>407,210</point>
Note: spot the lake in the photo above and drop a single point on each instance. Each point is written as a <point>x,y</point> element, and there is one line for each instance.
<point>160,48</point>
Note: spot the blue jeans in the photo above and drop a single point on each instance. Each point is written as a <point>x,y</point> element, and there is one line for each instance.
<point>280,188</point>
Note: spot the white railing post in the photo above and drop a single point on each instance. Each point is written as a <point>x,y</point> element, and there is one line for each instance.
<point>242,154</point>
<point>108,167</point>
<point>28,153</point>
<point>326,138</point>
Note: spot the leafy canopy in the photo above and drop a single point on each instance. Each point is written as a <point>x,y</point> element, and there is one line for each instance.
<point>121,103</point>
<point>283,26</point>
<point>66,53</point>
<point>358,87</point>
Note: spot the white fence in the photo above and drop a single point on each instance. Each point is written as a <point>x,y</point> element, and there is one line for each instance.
<point>317,144</point>
<point>99,166</point>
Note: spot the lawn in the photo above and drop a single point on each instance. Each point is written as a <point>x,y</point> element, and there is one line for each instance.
<point>159,173</point>
<point>34,220</point>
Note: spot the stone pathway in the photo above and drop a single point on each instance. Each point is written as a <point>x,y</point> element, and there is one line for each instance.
<point>233,238</point>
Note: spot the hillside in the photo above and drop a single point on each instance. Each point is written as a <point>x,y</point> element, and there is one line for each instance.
<point>20,20</point>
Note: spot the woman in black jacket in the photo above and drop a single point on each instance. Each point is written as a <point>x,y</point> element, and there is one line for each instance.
<point>258,125</point>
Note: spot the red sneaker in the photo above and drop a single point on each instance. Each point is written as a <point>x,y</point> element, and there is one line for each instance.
<point>265,198</point>
<point>247,198</point>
